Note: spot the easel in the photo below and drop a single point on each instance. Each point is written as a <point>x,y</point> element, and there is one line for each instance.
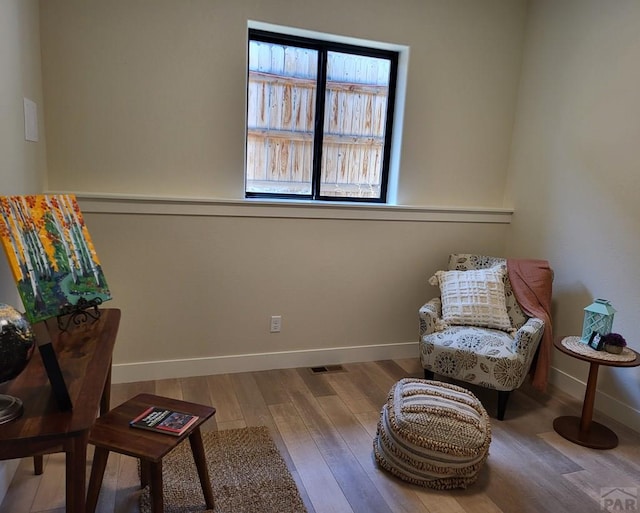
<point>50,362</point>
<point>77,314</point>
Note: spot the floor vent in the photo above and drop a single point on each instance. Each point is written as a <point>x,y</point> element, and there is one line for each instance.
<point>326,368</point>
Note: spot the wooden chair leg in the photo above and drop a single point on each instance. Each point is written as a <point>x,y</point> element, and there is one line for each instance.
<point>503,397</point>
<point>155,487</point>
<point>100,457</point>
<point>197,448</point>
<point>428,374</point>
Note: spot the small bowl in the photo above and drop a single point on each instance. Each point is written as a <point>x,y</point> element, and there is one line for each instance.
<point>613,349</point>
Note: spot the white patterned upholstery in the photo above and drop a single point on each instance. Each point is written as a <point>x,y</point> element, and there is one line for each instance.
<point>487,357</point>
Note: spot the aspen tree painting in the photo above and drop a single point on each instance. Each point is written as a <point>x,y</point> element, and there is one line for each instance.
<point>50,254</point>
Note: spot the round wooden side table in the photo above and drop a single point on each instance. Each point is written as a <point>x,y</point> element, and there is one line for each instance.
<point>582,430</point>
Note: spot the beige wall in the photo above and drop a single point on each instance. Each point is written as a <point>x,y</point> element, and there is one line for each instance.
<point>205,286</point>
<point>148,97</point>
<point>22,164</point>
<point>574,173</point>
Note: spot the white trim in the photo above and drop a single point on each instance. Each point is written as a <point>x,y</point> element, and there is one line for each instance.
<point>604,403</point>
<point>165,369</point>
<point>180,206</point>
<point>402,75</point>
<point>324,36</point>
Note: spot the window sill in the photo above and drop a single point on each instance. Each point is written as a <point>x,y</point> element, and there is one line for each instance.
<point>191,206</point>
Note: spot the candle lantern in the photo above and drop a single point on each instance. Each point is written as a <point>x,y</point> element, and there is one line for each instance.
<point>598,317</point>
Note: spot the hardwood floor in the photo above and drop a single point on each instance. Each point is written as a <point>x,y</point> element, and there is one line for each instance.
<point>323,425</point>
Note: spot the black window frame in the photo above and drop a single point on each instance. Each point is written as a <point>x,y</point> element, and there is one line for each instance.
<point>323,47</point>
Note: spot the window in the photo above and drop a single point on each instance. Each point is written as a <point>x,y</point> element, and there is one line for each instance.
<point>319,118</point>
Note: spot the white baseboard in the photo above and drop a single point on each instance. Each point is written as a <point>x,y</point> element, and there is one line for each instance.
<point>605,403</point>
<point>164,369</point>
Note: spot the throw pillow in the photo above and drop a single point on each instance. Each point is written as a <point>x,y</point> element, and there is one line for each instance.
<point>474,297</point>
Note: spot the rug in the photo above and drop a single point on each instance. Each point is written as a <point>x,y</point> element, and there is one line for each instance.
<point>247,475</point>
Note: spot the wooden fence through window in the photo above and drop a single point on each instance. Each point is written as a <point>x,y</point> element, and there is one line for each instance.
<point>280,121</point>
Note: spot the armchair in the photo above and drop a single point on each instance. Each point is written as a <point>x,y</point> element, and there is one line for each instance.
<point>493,358</point>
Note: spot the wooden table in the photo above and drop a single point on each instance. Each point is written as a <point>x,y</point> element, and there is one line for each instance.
<point>84,354</point>
<point>112,432</point>
<point>582,430</point>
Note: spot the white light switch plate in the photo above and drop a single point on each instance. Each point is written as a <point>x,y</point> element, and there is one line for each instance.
<point>30,120</point>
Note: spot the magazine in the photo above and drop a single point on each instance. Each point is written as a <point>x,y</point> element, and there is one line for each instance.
<point>165,421</point>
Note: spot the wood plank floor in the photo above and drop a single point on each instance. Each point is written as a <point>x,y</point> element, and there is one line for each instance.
<point>323,425</point>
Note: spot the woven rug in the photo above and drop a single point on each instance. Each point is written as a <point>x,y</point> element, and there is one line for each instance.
<point>247,474</point>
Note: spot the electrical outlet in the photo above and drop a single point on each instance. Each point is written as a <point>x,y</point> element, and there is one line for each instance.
<point>276,323</point>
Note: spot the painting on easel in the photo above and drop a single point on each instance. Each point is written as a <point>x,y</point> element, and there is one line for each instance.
<point>51,254</point>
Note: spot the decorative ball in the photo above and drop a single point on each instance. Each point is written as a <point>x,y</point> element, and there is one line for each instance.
<point>610,348</point>
<point>17,342</point>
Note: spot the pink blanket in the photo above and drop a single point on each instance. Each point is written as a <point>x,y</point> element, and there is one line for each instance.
<point>531,281</point>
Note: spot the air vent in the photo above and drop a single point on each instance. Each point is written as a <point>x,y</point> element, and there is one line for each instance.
<point>326,368</point>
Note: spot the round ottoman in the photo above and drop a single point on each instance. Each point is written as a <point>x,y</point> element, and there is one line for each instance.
<point>432,434</point>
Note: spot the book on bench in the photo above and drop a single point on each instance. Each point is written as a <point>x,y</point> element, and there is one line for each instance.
<point>162,420</point>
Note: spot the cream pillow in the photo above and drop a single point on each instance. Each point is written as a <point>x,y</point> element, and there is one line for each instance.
<point>474,297</point>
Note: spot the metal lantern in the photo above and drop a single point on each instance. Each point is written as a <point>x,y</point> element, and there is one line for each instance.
<point>598,317</point>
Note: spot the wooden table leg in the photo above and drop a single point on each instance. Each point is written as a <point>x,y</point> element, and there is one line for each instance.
<point>75,473</point>
<point>155,487</point>
<point>583,430</point>
<point>145,473</point>
<point>197,447</point>
<point>589,398</point>
<point>100,457</point>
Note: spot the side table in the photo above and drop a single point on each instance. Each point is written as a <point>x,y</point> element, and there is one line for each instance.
<point>583,430</point>
<point>84,354</point>
<point>112,432</point>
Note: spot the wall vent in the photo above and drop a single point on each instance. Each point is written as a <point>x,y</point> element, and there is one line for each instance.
<point>326,368</point>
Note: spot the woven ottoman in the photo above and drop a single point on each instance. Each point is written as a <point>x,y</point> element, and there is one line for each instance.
<point>432,434</point>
